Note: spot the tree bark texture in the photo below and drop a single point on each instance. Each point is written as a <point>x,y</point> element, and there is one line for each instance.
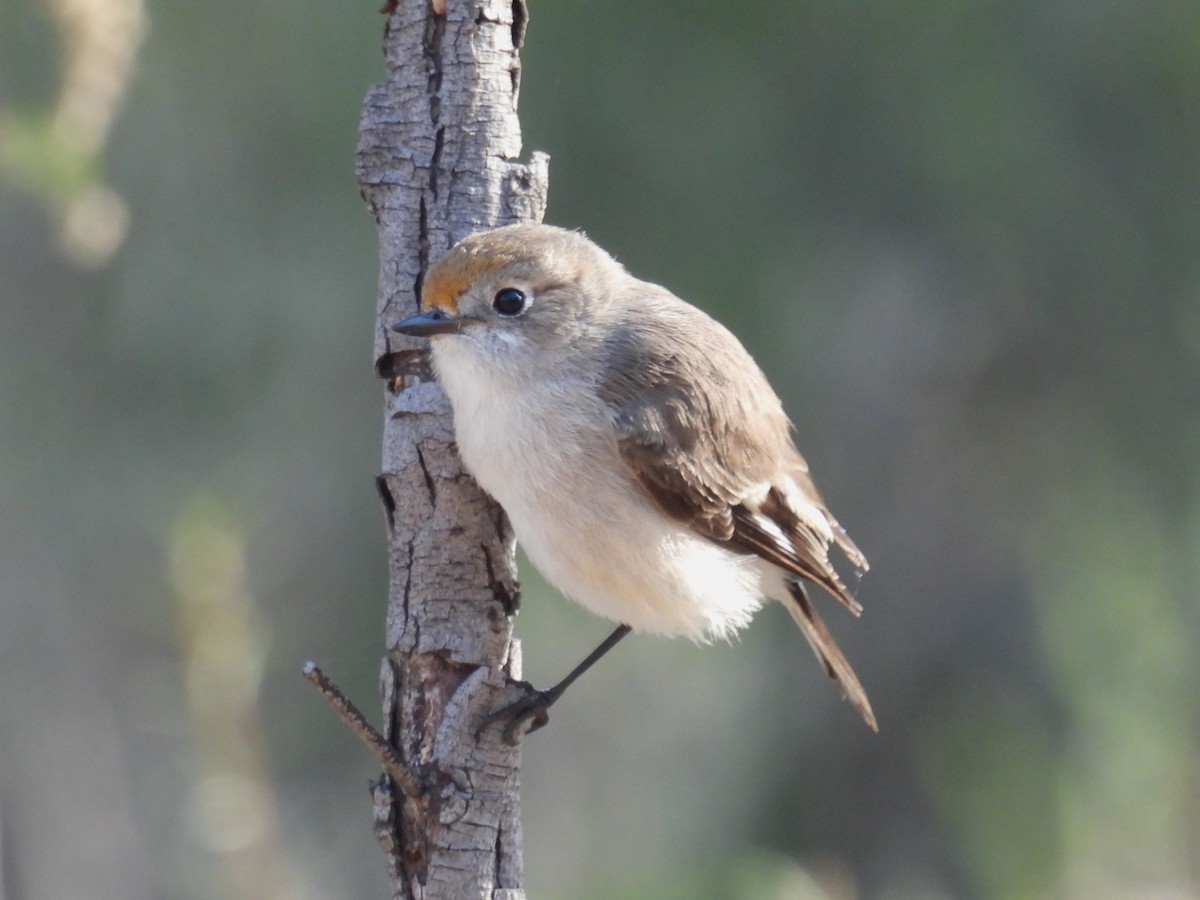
<point>436,153</point>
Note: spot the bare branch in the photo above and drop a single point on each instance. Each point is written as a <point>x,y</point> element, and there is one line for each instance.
<point>352,716</point>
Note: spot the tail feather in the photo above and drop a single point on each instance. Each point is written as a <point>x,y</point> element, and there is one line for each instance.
<point>828,652</point>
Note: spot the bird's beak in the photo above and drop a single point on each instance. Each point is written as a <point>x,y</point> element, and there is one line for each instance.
<point>435,321</point>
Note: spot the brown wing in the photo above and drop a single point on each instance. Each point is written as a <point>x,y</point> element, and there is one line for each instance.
<point>662,440</point>
<point>703,432</point>
<point>723,463</point>
<point>668,458</point>
<point>674,451</point>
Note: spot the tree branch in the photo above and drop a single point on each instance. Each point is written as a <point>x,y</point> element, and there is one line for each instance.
<point>435,162</point>
<point>353,718</point>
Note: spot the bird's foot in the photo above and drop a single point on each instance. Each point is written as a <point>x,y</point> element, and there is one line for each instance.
<point>533,708</point>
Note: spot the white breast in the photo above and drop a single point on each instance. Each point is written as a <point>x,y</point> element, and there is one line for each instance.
<point>544,449</point>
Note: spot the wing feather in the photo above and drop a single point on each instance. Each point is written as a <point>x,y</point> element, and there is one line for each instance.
<point>722,461</point>
<point>672,450</point>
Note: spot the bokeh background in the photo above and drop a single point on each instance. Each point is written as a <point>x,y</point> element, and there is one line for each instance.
<point>963,239</point>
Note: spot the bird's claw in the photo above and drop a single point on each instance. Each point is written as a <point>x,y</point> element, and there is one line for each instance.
<point>534,708</point>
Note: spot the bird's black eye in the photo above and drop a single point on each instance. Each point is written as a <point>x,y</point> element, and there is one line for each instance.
<point>509,302</point>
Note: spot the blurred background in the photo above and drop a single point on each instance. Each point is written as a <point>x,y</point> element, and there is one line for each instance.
<point>961,238</point>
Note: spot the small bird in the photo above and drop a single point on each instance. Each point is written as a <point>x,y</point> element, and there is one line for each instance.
<point>643,459</point>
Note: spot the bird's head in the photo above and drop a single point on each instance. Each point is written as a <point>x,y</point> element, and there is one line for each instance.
<point>514,291</point>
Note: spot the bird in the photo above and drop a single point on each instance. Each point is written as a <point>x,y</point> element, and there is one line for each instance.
<point>645,462</point>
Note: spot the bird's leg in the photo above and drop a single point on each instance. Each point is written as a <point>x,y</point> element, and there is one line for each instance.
<point>536,704</point>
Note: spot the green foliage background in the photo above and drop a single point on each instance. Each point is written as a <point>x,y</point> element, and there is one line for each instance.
<point>961,237</point>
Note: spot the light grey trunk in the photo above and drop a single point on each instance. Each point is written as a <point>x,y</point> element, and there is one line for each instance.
<point>436,162</point>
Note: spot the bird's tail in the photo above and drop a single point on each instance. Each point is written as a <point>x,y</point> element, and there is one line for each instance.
<point>828,652</point>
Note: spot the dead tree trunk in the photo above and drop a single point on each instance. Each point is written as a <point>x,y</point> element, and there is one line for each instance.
<point>436,156</point>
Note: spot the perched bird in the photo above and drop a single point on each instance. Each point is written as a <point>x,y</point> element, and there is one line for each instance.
<point>645,463</point>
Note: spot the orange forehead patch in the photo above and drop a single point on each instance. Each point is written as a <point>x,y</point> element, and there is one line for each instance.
<point>452,275</point>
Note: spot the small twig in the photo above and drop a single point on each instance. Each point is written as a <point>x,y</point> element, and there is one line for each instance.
<point>357,722</point>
